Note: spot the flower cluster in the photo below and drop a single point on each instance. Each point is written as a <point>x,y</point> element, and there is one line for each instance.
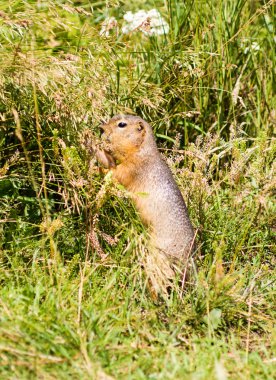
<point>149,22</point>
<point>254,46</point>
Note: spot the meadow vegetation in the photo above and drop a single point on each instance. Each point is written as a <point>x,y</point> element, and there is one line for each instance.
<point>74,300</point>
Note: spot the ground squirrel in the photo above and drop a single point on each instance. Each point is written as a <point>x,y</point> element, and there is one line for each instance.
<point>130,151</point>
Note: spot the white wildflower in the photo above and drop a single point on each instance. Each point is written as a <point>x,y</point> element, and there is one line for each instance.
<point>150,23</point>
<point>128,17</point>
<point>254,47</point>
<point>108,24</point>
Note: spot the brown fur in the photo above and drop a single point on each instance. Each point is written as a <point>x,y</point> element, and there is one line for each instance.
<point>131,153</point>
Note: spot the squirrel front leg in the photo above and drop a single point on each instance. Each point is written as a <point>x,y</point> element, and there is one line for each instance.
<point>105,158</point>
<point>92,146</point>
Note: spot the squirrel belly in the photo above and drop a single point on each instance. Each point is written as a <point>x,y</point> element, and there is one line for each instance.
<point>162,208</point>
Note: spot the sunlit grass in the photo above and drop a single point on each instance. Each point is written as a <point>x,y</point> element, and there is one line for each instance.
<point>74,298</point>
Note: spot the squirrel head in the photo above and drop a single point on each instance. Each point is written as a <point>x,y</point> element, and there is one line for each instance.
<point>126,135</point>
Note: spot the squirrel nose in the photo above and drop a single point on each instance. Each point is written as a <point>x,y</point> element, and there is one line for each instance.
<point>105,137</point>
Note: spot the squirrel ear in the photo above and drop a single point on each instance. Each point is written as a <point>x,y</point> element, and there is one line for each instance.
<point>141,126</point>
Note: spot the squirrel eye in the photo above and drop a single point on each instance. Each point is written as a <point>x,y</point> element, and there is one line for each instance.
<point>122,124</point>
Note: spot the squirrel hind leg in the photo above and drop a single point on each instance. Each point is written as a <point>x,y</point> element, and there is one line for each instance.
<point>159,273</point>
<point>167,274</point>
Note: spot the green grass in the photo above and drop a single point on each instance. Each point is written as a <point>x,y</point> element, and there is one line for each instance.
<point>74,300</point>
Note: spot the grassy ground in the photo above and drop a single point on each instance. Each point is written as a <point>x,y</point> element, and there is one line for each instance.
<point>74,300</point>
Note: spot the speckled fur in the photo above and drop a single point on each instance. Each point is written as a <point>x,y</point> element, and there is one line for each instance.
<point>138,165</point>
